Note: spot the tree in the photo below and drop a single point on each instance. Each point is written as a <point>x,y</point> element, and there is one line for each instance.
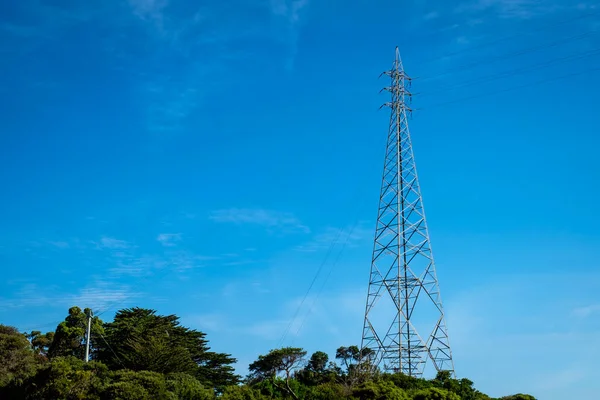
<point>69,338</point>
<point>462,387</point>
<point>435,394</point>
<point>136,385</point>
<point>379,390</point>
<point>328,391</point>
<point>187,387</point>
<point>139,339</point>
<point>348,355</point>
<point>357,364</point>
<point>40,343</point>
<point>280,361</point>
<point>67,378</point>
<point>17,358</point>
<point>242,393</point>
<point>407,382</point>
<point>318,370</point>
<point>216,369</point>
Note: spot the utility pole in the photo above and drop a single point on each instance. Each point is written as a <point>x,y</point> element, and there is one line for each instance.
<point>87,341</point>
<point>404,323</point>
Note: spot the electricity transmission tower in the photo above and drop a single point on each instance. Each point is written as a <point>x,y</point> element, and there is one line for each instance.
<point>404,322</point>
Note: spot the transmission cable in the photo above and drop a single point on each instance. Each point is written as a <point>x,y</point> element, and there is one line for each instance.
<point>508,89</point>
<point>112,351</point>
<point>289,326</point>
<point>518,34</point>
<point>504,74</point>
<point>340,232</point>
<point>508,55</point>
<point>325,280</point>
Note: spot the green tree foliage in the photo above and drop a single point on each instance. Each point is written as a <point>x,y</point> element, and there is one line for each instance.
<point>140,340</point>
<point>379,390</point>
<point>217,369</point>
<point>280,361</point>
<point>69,338</point>
<point>185,386</point>
<point>356,364</point>
<point>328,391</point>
<point>138,385</point>
<point>242,393</point>
<point>318,370</point>
<point>435,394</point>
<point>17,358</point>
<point>67,378</point>
<point>142,355</point>
<point>40,342</point>
<point>406,382</point>
<point>462,387</point>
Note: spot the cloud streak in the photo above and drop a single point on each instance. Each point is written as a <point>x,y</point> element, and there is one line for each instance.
<point>97,295</point>
<point>282,222</point>
<point>347,237</point>
<point>169,239</point>
<point>587,311</point>
<point>113,244</point>
<point>290,13</point>
<point>511,9</point>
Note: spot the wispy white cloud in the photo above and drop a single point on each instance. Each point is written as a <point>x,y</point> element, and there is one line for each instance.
<point>149,10</point>
<point>271,330</point>
<point>347,237</point>
<point>60,244</point>
<point>584,312</point>
<point>290,12</point>
<point>96,295</point>
<point>235,289</point>
<point>516,9</point>
<point>102,294</point>
<point>169,239</point>
<point>431,15</point>
<point>281,222</point>
<point>113,244</point>
<point>209,323</point>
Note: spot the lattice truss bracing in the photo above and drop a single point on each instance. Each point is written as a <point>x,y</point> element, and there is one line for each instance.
<point>404,320</point>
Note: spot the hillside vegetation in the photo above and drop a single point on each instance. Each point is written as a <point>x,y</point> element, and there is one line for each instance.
<point>142,355</point>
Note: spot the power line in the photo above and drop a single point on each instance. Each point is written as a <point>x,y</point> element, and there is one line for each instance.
<point>340,232</point>
<point>288,328</point>
<point>112,351</point>
<point>514,35</point>
<point>509,89</point>
<point>510,55</point>
<point>509,73</point>
<point>326,279</point>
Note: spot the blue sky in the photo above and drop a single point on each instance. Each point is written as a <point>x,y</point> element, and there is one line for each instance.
<point>207,159</point>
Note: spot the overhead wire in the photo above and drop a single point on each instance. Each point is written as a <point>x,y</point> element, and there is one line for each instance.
<point>311,307</point>
<point>348,232</point>
<point>513,72</point>
<point>111,349</point>
<point>289,326</point>
<point>539,82</point>
<point>509,55</point>
<point>543,27</point>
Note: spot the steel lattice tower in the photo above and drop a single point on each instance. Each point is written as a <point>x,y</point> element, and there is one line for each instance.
<point>403,301</point>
